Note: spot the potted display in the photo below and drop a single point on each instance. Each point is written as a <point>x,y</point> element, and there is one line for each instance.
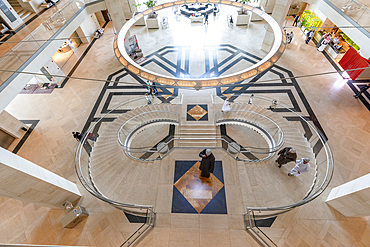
<point>151,21</point>
<point>140,22</point>
<point>243,17</point>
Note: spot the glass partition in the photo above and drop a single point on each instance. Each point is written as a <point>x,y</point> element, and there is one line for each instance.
<point>14,53</point>
<point>359,11</point>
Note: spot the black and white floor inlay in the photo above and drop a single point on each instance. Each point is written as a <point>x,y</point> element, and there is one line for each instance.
<point>178,64</point>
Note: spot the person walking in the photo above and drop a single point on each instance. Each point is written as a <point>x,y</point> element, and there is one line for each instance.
<point>286,155</point>
<point>362,90</point>
<point>148,102</point>
<point>77,136</point>
<point>206,19</point>
<point>296,19</point>
<point>150,88</point>
<point>215,11</point>
<point>207,165</point>
<point>289,37</point>
<point>155,90</point>
<point>301,166</point>
<point>226,106</point>
<point>309,36</point>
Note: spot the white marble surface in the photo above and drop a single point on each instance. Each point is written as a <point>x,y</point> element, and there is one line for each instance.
<point>344,119</point>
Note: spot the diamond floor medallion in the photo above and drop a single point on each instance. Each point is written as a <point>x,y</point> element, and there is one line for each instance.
<point>193,194</point>
<point>197,113</point>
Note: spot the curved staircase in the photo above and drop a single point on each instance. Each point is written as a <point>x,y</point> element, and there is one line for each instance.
<point>118,176</point>
<point>264,182</point>
<point>124,179</point>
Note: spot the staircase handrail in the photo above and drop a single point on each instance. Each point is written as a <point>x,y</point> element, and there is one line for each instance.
<point>166,118</point>
<point>311,195</point>
<point>279,130</point>
<point>79,172</point>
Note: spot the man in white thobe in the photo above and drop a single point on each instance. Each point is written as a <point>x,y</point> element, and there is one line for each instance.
<point>301,166</point>
<point>226,106</point>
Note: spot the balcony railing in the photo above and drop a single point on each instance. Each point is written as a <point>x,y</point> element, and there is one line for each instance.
<point>22,54</point>
<point>355,10</point>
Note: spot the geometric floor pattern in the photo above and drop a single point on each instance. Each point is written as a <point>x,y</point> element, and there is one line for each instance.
<point>197,113</point>
<point>192,194</point>
<point>287,90</point>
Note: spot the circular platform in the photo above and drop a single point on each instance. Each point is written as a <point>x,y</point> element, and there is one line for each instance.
<point>274,54</point>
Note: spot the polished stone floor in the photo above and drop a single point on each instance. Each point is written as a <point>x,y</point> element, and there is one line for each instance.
<point>326,100</point>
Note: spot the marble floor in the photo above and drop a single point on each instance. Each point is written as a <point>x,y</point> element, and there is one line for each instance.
<point>326,100</point>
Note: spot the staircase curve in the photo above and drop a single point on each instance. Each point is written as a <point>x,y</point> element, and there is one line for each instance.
<point>112,171</point>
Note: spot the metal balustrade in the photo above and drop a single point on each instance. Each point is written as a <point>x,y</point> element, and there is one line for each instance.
<point>324,168</point>
<point>168,113</point>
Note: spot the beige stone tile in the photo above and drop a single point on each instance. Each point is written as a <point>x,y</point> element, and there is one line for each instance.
<point>184,237</point>
<point>185,221</point>
<point>214,237</point>
<point>213,221</point>
<point>241,238</point>
<point>163,220</point>
<point>236,221</point>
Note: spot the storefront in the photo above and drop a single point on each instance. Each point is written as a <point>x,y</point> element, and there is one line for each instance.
<point>339,43</point>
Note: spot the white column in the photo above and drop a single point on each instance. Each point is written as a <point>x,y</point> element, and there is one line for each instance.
<point>352,199</point>
<point>87,29</point>
<point>117,10</point>
<point>11,125</point>
<point>279,13</point>
<point>24,180</point>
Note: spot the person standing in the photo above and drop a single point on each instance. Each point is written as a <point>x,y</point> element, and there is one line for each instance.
<point>324,44</point>
<point>323,37</point>
<point>296,19</point>
<point>207,165</point>
<point>289,37</point>
<point>286,155</point>
<point>301,166</point>
<point>309,36</point>
<point>206,19</point>
<point>362,90</point>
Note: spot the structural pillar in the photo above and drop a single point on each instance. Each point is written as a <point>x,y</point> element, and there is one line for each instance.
<point>279,13</point>
<point>117,10</point>
<point>10,129</point>
<point>21,179</point>
<point>352,199</point>
<point>87,29</point>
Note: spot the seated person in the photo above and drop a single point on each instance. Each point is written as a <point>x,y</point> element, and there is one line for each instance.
<point>338,47</point>
<point>336,40</point>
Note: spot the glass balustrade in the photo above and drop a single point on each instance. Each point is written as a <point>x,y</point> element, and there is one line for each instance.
<point>323,169</point>
<point>13,53</point>
<point>359,11</point>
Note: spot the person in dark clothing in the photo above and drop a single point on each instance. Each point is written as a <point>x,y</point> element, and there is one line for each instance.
<point>207,164</point>
<point>50,2</point>
<point>206,19</point>
<point>296,19</point>
<point>309,36</point>
<point>155,91</point>
<point>362,90</point>
<point>77,136</point>
<point>286,155</point>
